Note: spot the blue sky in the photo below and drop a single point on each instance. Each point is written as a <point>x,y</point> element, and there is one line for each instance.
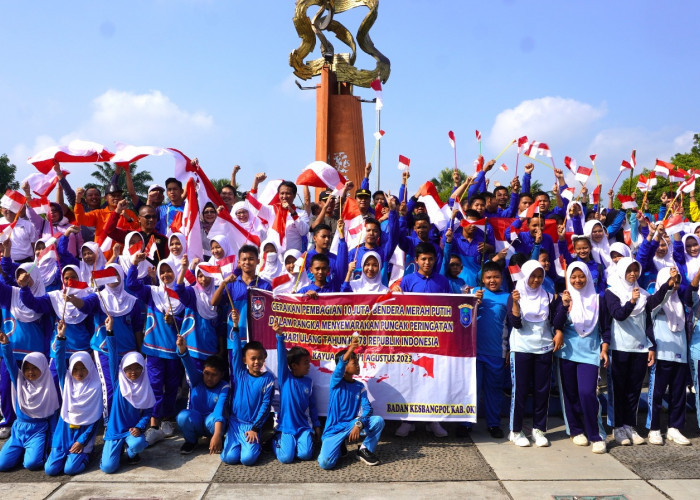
<point>211,77</point>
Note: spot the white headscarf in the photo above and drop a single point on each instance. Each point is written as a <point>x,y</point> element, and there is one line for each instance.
<point>82,400</point>
<point>666,260</point>
<point>204,295</point>
<point>601,251</point>
<point>366,285</point>
<point>673,308</point>
<point>86,270</point>
<point>224,244</point>
<point>270,266</point>
<point>161,299</point>
<point>570,219</point>
<point>534,302</point>
<point>692,264</point>
<point>584,303</point>
<point>125,259</point>
<point>622,249</point>
<point>37,399</point>
<point>48,267</point>
<point>175,261</point>
<point>253,225</point>
<point>138,392</point>
<point>298,279</point>
<point>73,316</point>
<point>115,301</point>
<point>623,290</point>
<point>18,310</point>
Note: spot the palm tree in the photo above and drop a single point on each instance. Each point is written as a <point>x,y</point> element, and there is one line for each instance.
<point>105,171</point>
<point>219,183</point>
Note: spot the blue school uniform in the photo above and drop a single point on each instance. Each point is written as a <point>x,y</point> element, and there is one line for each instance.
<point>338,263</point>
<point>313,287</point>
<point>239,296</point>
<point>202,335</point>
<point>298,414</point>
<point>456,284</point>
<point>206,406</point>
<point>469,254</point>
<point>252,399</point>
<point>416,282</point>
<point>346,401</point>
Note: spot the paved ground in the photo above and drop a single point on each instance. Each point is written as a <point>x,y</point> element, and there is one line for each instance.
<point>419,466</point>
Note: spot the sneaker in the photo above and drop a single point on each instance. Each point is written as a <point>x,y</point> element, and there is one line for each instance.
<point>343,450</point>
<point>5,432</point>
<point>655,438</point>
<point>437,429</point>
<point>153,435</point>
<point>540,439</point>
<point>133,460</point>
<point>187,448</point>
<point>367,456</point>
<point>599,447</point>
<point>675,436</point>
<point>632,433</point>
<point>463,431</point>
<point>496,432</point>
<point>168,428</point>
<point>621,436</point>
<point>404,429</point>
<point>580,440</point>
<point>519,439</point>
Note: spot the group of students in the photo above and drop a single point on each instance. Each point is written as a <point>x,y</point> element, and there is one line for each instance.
<point>79,352</point>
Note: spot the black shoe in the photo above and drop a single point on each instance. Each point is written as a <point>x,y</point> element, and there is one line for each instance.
<point>187,448</point>
<point>463,431</point>
<point>496,432</point>
<point>367,456</point>
<point>134,460</point>
<point>343,450</point>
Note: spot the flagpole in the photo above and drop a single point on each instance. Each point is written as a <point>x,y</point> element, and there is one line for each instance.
<point>455,148</point>
<point>631,176</point>
<point>540,161</point>
<point>517,157</point>
<point>378,148</point>
<point>615,182</point>
<point>504,149</point>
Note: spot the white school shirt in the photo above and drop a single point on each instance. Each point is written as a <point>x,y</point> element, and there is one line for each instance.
<point>630,335</point>
<point>670,346</point>
<point>533,337</point>
<point>23,235</point>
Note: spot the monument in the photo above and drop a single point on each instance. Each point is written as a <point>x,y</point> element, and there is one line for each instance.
<point>339,132</point>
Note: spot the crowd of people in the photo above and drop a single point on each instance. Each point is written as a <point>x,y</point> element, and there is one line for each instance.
<point>108,322</point>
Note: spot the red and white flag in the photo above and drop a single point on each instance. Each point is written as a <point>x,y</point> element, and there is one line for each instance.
<point>102,277</point>
<point>504,167</point>
<point>127,154</point>
<point>210,271</point>
<point>538,148</point>
<point>404,163</point>
<point>678,175</point>
<point>583,173</point>
<point>321,175</point>
<point>13,201</point>
<point>629,165</point>
<point>6,230</point>
<point>40,205</point>
<point>379,134</point>
<point>75,152</point>
<point>48,253</point>
<point>136,248</point>
<point>663,168</point>
<point>72,286</point>
<point>627,202</point>
<point>354,226</point>
<point>43,184</point>
<point>478,135</point>
<point>570,163</point>
<point>594,197</point>
<point>151,248</point>
<point>645,183</point>
<point>451,137</point>
<point>281,280</point>
<point>479,164</point>
<point>532,210</point>
<point>104,241</point>
<point>191,227</point>
<point>687,186</point>
<point>568,193</point>
<point>674,224</point>
<point>226,265</point>
<point>593,157</point>
<point>516,274</point>
<point>522,142</point>
<point>377,87</point>
<point>438,211</point>
<point>479,224</point>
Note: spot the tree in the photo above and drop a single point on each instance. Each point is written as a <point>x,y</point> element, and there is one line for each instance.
<point>219,183</point>
<point>7,175</point>
<point>105,171</point>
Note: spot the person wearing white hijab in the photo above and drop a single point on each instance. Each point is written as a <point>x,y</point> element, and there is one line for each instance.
<point>595,230</point>
<point>35,403</point>
<point>632,349</point>
<point>242,214</point>
<point>177,244</point>
<point>575,223</point>
<point>618,250</point>
<point>671,368</point>
<point>270,265</point>
<point>688,258</point>
<point>48,265</point>
<point>694,339</point>
<point>92,259</point>
<point>531,344</point>
<point>164,318</point>
<point>293,278</point>
<point>82,408</point>
<point>125,259</point>
<point>581,319</point>
<point>370,281</point>
<point>132,407</point>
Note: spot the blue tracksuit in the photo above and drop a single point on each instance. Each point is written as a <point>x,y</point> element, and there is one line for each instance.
<point>298,415</point>
<point>252,398</point>
<point>202,335</point>
<point>327,288</point>
<point>338,263</point>
<point>60,458</point>
<point>346,401</point>
<point>123,416</point>
<point>206,404</point>
<point>416,282</point>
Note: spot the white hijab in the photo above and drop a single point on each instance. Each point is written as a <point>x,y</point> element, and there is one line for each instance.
<point>18,310</point>
<point>623,290</point>
<point>48,267</point>
<point>82,400</point>
<point>692,264</point>
<point>298,279</point>
<point>601,251</point>
<point>37,399</point>
<point>666,260</point>
<point>622,249</point>
<point>115,301</point>
<point>126,261</point>
<point>270,266</point>
<point>570,219</point>
<point>86,270</point>
<point>73,316</point>
<point>161,299</point>
<point>138,392</point>
<point>204,295</point>
<point>534,302</point>
<point>673,308</point>
<point>366,285</point>
<point>175,261</point>
<point>253,225</point>
<point>584,303</point>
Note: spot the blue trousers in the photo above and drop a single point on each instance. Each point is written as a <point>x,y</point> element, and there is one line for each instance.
<point>330,447</point>
<point>525,369</point>
<point>288,446</point>
<point>626,373</point>
<point>28,439</point>
<point>489,388</point>
<point>694,370</point>
<point>667,374</point>
<point>165,375</point>
<point>577,387</point>
<point>112,451</point>
<point>68,463</point>
<point>102,364</point>
<point>236,448</point>
<point>194,425</point>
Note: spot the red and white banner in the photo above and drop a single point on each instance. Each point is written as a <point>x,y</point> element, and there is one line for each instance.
<point>75,152</point>
<point>538,148</point>
<point>417,352</point>
<point>677,175</point>
<point>13,201</point>
<point>663,168</point>
<point>438,211</point>
<point>43,184</point>
<point>321,175</point>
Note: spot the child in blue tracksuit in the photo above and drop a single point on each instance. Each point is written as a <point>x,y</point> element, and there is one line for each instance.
<point>208,394</point>
<point>132,406</point>
<point>298,418</point>
<point>252,399</point>
<point>320,269</point>
<point>82,408</point>
<point>349,413</point>
<point>35,401</point>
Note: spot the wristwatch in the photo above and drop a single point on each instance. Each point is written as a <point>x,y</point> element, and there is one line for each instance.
<point>358,423</point>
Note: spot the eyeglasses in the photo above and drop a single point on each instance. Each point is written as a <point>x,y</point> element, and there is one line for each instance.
<point>148,216</point>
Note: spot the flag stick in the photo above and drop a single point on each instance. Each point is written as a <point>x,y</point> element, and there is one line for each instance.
<point>631,176</point>
<point>504,149</point>
<point>302,270</point>
<point>616,178</point>
<point>597,179</point>
<point>517,157</point>
<point>376,145</point>
<point>455,148</point>
<point>540,161</point>
<point>65,304</point>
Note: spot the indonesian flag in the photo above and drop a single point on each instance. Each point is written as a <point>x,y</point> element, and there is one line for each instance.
<point>568,193</point>
<point>538,148</point>
<point>104,241</point>
<point>13,201</point>
<point>377,87</point>
<point>190,222</point>
<point>663,168</point>
<point>48,253</point>
<point>571,164</point>
<point>40,205</point>
<point>209,270</point>
<point>176,224</point>
<point>594,197</point>
<point>226,265</point>
<point>72,286</point>
<point>151,248</point>
<point>516,273</point>
<point>628,202</point>
<point>645,184</point>
<point>6,230</point>
<point>41,184</point>
<point>504,167</point>
<point>678,175</point>
<point>583,173</point>
<point>629,165</point>
<point>354,226</point>
<point>379,300</point>
<point>281,280</point>
<point>479,164</point>
<point>75,152</point>
<point>136,248</point>
<point>451,137</point>
<point>379,134</point>
<point>478,135</point>
<point>404,163</point>
<point>102,277</point>
<point>172,293</point>
<point>479,224</point>
<point>531,211</point>
<point>438,211</point>
<point>234,232</point>
<point>688,186</point>
<point>593,157</point>
<point>127,154</point>
<point>521,143</point>
<point>190,278</point>
<point>321,175</point>
<point>674,224</point>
